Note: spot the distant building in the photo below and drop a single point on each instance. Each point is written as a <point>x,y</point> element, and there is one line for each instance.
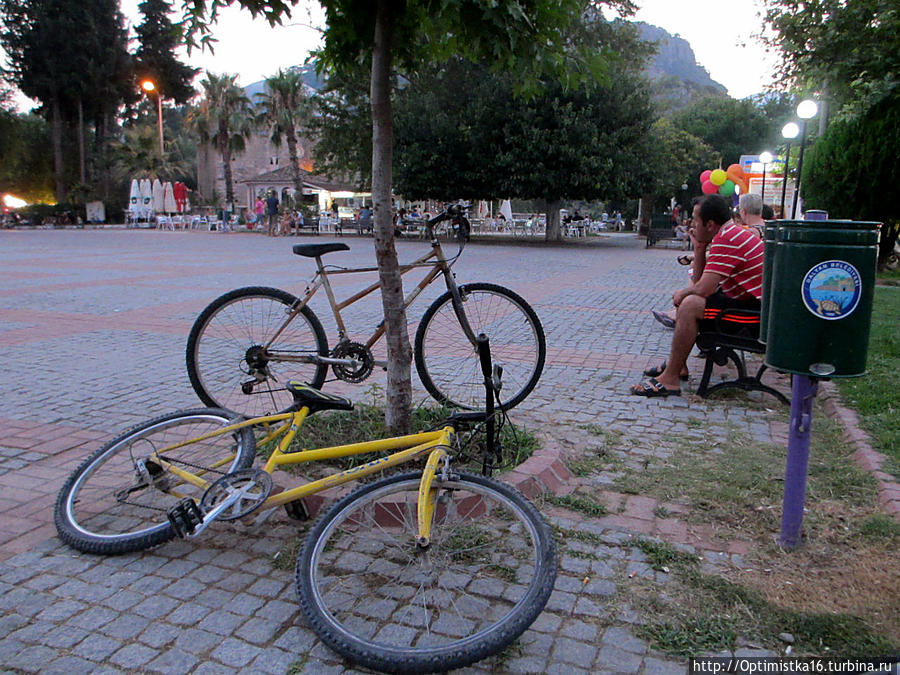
<point>263,167</point>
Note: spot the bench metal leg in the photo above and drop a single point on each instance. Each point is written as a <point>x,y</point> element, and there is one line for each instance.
<point>721,356</point>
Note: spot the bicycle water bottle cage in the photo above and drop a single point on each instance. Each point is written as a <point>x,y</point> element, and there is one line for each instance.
<point>316,400</point>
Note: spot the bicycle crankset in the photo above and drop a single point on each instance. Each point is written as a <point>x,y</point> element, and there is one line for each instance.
<point>362,361</point>
<point>245,490</point>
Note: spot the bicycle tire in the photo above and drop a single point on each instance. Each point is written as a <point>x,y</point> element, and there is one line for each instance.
<point>104,507</point>
<point>449,366</point>
<point>223,334</point>
<point>483,603</point>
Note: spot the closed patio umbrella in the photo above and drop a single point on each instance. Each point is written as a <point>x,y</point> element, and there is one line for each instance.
<point>146,198</point>
<point>506,210</point>
<point>169,198</point>
<point>134,197</point>
<point>159,205</point>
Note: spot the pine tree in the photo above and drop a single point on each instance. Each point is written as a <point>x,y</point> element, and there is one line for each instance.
<point>155,57</point>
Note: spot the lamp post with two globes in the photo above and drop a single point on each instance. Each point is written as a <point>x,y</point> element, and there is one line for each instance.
<point>149,86</point>
<point>806,110</point>
<point>765,158</point>
<point>789,132</point>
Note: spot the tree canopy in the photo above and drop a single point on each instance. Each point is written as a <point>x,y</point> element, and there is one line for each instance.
<point>155,57</point>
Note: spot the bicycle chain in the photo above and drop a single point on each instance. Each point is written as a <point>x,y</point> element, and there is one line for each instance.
<point>171,461</point>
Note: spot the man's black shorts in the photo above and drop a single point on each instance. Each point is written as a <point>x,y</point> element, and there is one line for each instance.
<point>718,317</point>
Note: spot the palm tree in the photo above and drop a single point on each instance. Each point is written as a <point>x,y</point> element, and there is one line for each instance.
<point>224,118</point>
<point>286,110</point>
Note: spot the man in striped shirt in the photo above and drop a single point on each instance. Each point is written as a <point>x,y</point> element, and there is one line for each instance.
<point>728,274</point>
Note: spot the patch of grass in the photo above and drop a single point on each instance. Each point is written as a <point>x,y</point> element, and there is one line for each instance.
<point>661,512</point>
<point>596,459</point>
<point>880,527</point>
<point>586,505</point>
<point>695,423</point>
<point>366,422</point>
<point>297,666</point>
<point>663,555</point>
<point>708,613</point>
<point>875,396</point>
<point>612,438</point>
<point>286,558</point>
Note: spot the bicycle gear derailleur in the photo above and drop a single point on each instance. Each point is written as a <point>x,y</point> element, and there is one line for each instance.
<point>363,361</point>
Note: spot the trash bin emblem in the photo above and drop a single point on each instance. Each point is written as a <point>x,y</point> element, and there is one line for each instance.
<point>831,289</point>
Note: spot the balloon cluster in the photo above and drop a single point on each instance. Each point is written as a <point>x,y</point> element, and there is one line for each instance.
<point>723,182</point>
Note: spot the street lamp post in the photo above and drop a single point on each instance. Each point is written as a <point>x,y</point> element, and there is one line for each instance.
<point>805,111</point>
<point>150,87</point>
<point>766,158</point>
<point>789,133</point>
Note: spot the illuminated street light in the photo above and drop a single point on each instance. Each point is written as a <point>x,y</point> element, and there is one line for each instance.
<point>806,110</point>
<point>789,132</point>
<point>766,158</point>
<point>149,86</point>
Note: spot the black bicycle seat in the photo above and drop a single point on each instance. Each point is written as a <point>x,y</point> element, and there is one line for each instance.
<point>315,250</point>
<point>315,400</point>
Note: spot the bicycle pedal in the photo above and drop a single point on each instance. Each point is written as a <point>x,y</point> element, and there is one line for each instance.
<point>297,510</point>
<point>184,517</point>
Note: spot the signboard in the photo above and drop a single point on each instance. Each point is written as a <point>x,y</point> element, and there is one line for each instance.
<point>772,194</point>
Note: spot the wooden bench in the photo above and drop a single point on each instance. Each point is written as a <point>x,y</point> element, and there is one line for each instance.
<point>727,338</point>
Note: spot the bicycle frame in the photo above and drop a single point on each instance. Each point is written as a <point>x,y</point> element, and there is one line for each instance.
<point>409,447</point>
<point>440,265</point>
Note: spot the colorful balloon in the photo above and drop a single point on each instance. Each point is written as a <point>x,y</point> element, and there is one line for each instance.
<point>726,189</point>
<point>717,177</point>
<point>708,188</point>
<point>735,170</point>
<point>705,176</point>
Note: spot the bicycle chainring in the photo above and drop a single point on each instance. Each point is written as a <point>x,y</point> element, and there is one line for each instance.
<point>253,484</point>
<point>365,362</point>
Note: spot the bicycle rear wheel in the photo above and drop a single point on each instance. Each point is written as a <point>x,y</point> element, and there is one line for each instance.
<point>373,595</point>
<point>116,501</point>
<point>228,364</point>
<point>448,364</point>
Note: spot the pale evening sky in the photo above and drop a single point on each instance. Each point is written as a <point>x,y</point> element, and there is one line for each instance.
<point>719,31</point>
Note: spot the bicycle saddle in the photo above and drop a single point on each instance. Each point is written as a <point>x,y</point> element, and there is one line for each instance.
<point>315,250</point>
<point>315,400</point>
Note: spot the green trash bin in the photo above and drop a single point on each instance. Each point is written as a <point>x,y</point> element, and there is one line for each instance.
<point>769,235</point>
<point>820,297</point>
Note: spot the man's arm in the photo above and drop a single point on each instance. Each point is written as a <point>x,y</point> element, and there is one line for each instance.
<point>704,288</point>
<point>699,263</point>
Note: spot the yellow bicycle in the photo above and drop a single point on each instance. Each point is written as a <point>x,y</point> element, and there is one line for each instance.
<point>415,572</point>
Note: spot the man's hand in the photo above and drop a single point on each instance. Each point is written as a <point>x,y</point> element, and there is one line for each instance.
<point>680,295</point>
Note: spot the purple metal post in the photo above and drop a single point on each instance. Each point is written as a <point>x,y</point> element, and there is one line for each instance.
<point>803,391</point>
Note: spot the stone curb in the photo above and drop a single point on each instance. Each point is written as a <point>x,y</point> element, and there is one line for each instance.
<point>864,454</point>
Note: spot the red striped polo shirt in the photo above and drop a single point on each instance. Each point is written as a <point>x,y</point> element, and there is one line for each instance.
<point>736,254</point>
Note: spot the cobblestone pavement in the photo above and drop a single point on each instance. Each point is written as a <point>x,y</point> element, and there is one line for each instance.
<point>93,328</point>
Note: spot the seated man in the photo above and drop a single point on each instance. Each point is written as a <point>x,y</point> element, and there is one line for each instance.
<point>729,259</point>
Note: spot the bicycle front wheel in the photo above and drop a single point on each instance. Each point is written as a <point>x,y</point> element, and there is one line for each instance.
<point>448,363</point>
<point>230,362</point>
<point>116,501</point>
<point>375,596</point>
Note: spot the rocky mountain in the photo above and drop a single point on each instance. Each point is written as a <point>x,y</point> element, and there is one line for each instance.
<point>677,76</point>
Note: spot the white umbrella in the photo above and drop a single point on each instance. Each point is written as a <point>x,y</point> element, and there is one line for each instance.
<point>482,209</point>
<point>134,198</point>
<point>146,198</point>
<point>158,197</point>
<point>169,198</point>
<point>506,210</point>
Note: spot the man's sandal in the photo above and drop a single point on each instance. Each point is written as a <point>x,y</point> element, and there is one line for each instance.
<point>652,389</point>
<point>656,371</point>
<point>685,259</point>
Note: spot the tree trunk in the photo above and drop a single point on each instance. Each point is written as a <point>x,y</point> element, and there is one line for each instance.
<point>56,141</point>
<point>82,173</point>
<point>225,151</point>
<point>295,166</point>
<point>646,210</point>
<point>399,353</point>
<point>553,231</point>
